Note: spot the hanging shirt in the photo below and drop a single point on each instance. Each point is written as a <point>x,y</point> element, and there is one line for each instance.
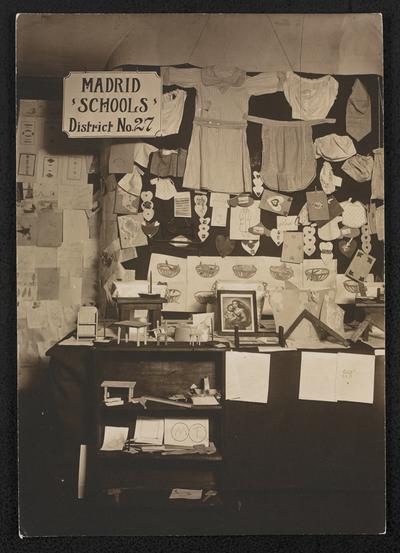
<point>218,157</point>
<point>288,160</point>
<point>172,106</point>
<point>310,98</point>
<point>168,163</point>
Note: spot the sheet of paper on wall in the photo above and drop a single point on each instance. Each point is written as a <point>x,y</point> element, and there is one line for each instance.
<point>186,432</point>
<point>26,286</point>
<point>172,271</point>
<point>123,156</point>
<point>26,259</point>
<point>45,193</point>
<point>27,229</point>
<point>355,377</point>
<point>36,314</point>
<point>247,376</point>
<point>70,291</point>
<point>218,216</point>
<point>55,314</point>
<point>45,257</point>
<point>50,228</point>
<point>125,203</point>
<point>219,199</point>
<point>360,266</point>
<point>127,254</point>
<point>149,430</point>
<point>132,182</point>
<point>26,167</point>
<point>182,205</point>
<point>75,196</point>
<point>75,226</point>
<point>114,438</point>
<point>292,249</point>
<point>30,134</point>
<point>130,230</point>
<point>318,376</point>
<point>74,170</point>
<point>70,259</point>
<point>289,223</point>
<point>89,286</point>
<point>90,253</point>
<point>48,284</point>
<point>241,219</point>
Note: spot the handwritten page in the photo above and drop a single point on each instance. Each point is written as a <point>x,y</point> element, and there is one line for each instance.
<point>114,438</point>
<point>318,376</point>
<point>355,377</point>
<point>149,431</point>
<point>182,205</point>
<point>247,376</point>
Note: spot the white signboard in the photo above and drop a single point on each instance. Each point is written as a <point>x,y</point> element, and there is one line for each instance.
<point>116,104</point>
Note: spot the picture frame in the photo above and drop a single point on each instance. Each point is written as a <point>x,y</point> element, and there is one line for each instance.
<point>236,308</point>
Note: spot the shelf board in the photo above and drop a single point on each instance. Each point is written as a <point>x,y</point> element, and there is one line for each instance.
<point>152,407</point>
<point>151,347</point>
<point>157,457</point>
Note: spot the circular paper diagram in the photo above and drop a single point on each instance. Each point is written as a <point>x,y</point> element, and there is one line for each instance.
<point>197,433</point>
<point>180,432</point>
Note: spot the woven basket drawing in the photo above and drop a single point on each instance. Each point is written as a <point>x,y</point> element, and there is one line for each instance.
<point>205,297</point>
<point>173,295</point>
<point>351,286</point>
<point>318,274</point>
<point>168,270</point>
<point>281,272</point>
<point>244,271</point>
<point>207,270</point>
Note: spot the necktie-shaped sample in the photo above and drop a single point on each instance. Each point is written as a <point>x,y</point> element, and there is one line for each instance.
<point>358,112</point>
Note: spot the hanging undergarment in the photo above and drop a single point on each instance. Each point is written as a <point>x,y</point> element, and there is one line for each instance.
<point>288,160</point>
<point>359,167</point>
<point>333,147</point>
<point>218,156</point>
<point>310,98</point>
<point>168,163</point>
<point>172,106</point>
<point>358,112</point>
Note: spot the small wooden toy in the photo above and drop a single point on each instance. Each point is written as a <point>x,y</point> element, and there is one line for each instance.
<point>126,325</point>
<point>86,327</point>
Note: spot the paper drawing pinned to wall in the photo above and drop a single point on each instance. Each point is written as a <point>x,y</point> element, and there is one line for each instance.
<point>207,270</point>
<point>168,270</point>
<point>173,295</point>
<point>244,271</point>
<point>281,272</point>
<point>205,296</point>
<point>317,274</point>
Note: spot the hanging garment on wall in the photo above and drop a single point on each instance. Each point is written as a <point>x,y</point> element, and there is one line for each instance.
<point>328,180</point>
<point>288,160</point>
<point>333,147</point>
<point>218,157</point>
<point>168,163</point>
<point>359,167</point>
<point>172,106</point>
<point>358,112</point>
<point>310,98</point>
<point>377,181</point>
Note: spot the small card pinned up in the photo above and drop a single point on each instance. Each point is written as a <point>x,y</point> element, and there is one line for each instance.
<point>182,205</point>
<point>292,250</point>
<point>360,266</point>
<point>317,204</point>
<point>290,222</point>
<point>276,203</point>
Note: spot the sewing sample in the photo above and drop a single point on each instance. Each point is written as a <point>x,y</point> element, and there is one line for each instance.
<point>358,112</point>
<point>334,147</point>
<point>310,98</point>
<point>168,163</point>
<point>218,156</point>
<point>172,106</point>
<point>359,167</point>
<point>288,160</point>
<point>317,203</point>
<point>276,203</point>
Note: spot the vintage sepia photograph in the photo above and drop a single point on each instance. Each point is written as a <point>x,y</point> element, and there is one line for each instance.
<point>200,236</point>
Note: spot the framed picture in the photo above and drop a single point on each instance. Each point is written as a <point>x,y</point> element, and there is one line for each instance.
<point>236,308</point>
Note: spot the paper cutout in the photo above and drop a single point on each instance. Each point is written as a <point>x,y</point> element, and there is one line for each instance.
<point>275,202</point>
<point>151,229</point>
<point>251,246</point>
<point>258,184</point>
<point>242,200</point>
<point>309,240</point>
<point>277,236</point>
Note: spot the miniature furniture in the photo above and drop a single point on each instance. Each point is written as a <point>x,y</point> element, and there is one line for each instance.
<point>86,327</point>
<point>152,304</point>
